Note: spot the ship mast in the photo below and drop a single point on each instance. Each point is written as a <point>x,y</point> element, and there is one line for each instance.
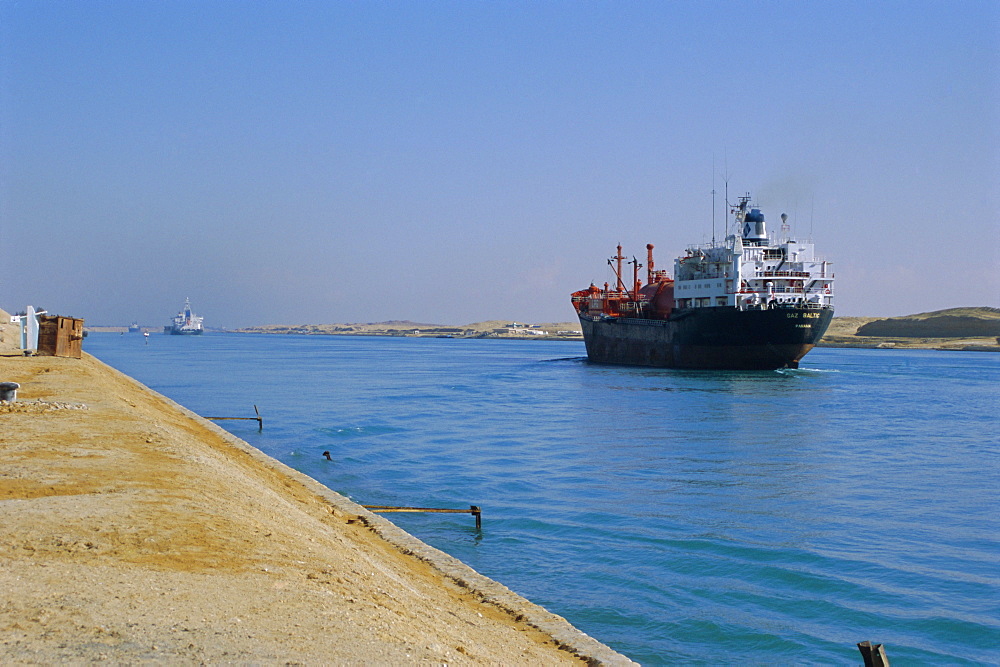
<point>619,257</point>
<point>713,201</point>
<point>635,277</point>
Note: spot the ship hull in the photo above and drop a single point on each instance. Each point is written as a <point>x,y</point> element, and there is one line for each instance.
<point>721,338</point>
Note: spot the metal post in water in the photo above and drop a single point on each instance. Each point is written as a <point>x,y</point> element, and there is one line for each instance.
<point>475,510</point>
<point>873,654</point>
<point>258,419</point>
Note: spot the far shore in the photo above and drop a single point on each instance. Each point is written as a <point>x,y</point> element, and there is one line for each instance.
<point>843,332</point>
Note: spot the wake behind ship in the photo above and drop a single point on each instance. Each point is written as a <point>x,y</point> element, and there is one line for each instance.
<point>744,304</point>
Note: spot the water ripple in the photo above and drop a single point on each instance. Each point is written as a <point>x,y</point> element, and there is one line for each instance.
<point>678,516</point>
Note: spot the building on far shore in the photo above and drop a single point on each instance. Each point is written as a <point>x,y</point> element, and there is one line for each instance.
<point>519,331</point>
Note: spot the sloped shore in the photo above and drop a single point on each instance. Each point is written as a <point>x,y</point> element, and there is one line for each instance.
<point>970,329</point>
<point>134,531</point>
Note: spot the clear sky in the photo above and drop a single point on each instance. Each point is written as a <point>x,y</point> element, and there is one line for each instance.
<point>449,162</point>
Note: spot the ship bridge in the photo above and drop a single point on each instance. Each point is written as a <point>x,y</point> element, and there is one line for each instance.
<point>749,270</point>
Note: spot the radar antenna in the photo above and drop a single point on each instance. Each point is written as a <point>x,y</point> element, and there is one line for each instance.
<point>812,208</point>
<point>713,200</point>
<point>726,180</point>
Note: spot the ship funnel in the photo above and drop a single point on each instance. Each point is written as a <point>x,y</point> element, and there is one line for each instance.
<point>754,228</point>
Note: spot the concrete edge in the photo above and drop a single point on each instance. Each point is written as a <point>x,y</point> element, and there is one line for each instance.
<point>565,635</point>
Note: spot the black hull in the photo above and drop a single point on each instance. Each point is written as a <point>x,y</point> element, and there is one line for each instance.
<point>721,338</point>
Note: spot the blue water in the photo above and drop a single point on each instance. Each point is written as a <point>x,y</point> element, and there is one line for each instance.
<point>709,517</point>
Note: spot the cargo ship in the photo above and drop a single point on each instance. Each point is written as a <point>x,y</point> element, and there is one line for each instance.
<point>185,323</point>
<point>746,303</point>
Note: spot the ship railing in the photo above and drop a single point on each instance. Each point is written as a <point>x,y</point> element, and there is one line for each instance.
<point>619,297</point>
<point>784,274</point>
<point>628,306</point>
<point>693,250</point>
<point>775,290</point>
<point>802,290</point>
<point>704,275</point>
<point>785,290</point>
<point>642,320</point>
<point>764,305</point>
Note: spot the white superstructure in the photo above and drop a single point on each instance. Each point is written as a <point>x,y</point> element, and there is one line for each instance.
<point>185,322</point>
<point>750,271</point>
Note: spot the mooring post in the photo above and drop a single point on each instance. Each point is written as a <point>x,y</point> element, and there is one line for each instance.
<point>873,654</point>
<point>478,513</point>
<point>260,420</point>
<point>8,391</point>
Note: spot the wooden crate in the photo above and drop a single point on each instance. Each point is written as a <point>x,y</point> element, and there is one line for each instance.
<point>60,336</point>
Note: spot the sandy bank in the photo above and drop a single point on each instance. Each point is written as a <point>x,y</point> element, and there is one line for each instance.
<point>131,530</point>
<point>910,332</point>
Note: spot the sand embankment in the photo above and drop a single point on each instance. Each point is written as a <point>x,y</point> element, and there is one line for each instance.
<point>976,329</point>
<point>10,334</point>
<point>131,530</point>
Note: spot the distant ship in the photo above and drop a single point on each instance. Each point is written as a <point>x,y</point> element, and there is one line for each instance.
<point>743,304</point>
<point>134,328</point>
<point>185,323</point>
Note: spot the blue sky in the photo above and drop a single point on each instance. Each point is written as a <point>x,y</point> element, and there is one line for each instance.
<point>449,162</point>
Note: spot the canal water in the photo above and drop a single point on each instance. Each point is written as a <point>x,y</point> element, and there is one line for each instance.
<point>708,517</point>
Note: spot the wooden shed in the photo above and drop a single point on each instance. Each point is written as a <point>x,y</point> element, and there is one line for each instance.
<point>60,336</point>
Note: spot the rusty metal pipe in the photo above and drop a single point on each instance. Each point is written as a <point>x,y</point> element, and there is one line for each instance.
<point>475,510</point>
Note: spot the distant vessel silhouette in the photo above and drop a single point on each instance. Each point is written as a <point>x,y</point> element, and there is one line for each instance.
<point>185,323</point>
